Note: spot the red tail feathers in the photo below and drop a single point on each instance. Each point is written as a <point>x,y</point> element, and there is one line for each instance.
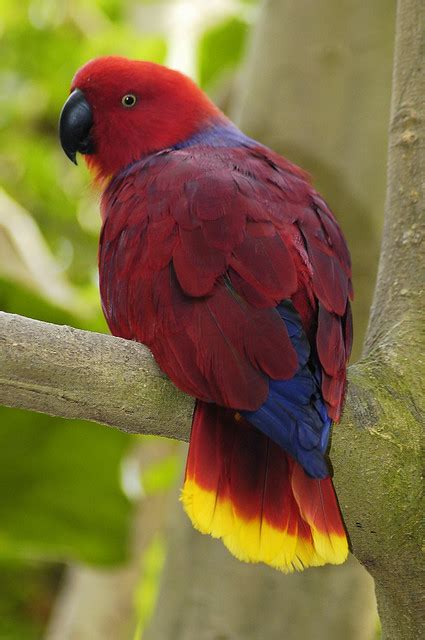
<point>241,487</point>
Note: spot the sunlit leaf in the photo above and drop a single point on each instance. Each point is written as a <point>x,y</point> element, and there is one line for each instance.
<point>221,49</point>
<point>60,493</point>
<point>163,474</point>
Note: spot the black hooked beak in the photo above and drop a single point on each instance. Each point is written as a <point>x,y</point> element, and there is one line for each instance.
<point>75,123</point>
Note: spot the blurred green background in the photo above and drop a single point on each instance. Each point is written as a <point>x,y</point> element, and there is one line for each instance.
<point>67,490</point>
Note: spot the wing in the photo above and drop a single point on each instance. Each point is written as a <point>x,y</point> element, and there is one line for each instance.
<point>198,249</point>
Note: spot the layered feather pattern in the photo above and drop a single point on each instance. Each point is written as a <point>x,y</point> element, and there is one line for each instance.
<point>219,255</point>
<point>294,414</point>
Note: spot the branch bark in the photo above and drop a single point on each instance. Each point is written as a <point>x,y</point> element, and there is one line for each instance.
<point>71,373</point>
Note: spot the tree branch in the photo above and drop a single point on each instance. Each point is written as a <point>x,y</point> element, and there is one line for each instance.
<point>71,373</point>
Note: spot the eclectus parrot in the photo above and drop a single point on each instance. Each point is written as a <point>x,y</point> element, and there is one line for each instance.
<point>219,255</point>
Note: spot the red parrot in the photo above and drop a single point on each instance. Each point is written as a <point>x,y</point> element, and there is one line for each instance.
<point>219,255</point>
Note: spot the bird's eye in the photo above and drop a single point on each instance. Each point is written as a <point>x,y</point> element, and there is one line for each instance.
<point>129,100</point>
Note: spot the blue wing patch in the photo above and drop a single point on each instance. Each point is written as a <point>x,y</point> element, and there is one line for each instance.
<point>294,414</point>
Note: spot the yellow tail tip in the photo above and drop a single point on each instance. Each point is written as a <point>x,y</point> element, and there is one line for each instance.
<point>257,540</point>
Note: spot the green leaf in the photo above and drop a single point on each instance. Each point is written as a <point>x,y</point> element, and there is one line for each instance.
<point>147,591</point>
<point>162,475</point>
<point>220,49</point>
<point>26,597</point>
<point>60,495</point>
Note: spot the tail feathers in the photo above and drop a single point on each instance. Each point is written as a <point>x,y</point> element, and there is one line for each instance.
<point>241,487</point>
<point>318,507</point>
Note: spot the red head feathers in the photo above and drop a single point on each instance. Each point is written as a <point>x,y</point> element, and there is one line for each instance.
<point>132,108</point>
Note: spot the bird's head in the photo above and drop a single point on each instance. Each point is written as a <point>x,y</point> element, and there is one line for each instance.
<point>120,110</point>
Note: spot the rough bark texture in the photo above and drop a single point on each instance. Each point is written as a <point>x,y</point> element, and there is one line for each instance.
<point>395,344</point>
<point>75,374</point>
<point>376,449</point>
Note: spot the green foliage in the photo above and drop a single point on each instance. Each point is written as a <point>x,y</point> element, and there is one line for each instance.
<point>26,592</point>
<point>147,590</point>
<point>66,500</point>
<point>162,475</point>
<point>226,41</point>
<point>61,495</point>
<point>60,491</point>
